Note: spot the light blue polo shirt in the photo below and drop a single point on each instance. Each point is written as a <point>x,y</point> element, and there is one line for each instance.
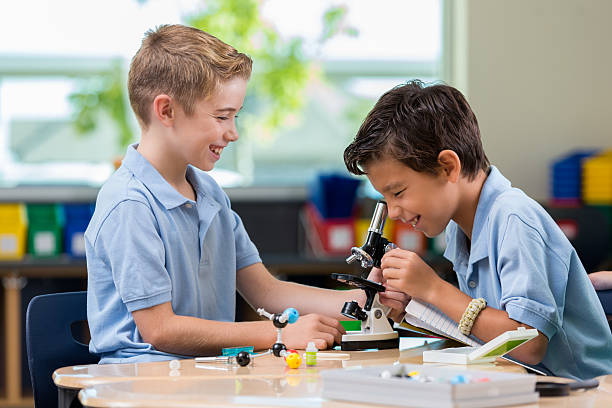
<point>147,244</point>
<point>521,262</point>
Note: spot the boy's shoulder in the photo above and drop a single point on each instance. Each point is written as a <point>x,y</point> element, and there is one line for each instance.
<point>120,187</point>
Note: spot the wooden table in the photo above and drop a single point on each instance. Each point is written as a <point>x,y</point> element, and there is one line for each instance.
<point>289,391</point>
<point>265,368</point>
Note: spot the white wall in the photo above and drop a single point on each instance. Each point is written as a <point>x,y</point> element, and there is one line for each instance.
<point>538,74</point>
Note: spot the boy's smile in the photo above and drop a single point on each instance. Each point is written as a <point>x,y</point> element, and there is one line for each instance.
<point>423,200</point>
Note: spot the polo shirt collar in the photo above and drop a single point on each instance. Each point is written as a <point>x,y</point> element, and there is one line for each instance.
<point>154,182</point>
<point>494,185</point>
<point>457,248</point>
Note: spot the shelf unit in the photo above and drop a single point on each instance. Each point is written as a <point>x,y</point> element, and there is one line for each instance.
<point>14,277</point>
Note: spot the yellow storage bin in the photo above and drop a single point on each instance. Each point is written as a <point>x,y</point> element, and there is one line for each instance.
<point>597,179</point>
<point>361,230</point>
<point>13,231</point>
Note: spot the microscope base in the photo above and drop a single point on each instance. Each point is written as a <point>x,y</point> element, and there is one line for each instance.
<point>369,344</point>
<point>365,341</point>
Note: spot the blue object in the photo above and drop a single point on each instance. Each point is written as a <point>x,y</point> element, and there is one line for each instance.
<point>293,314</point>
<point>232,351</point>
<point>334,195</point>
<point>76,219</point>
<point>566,177</point>
<point>459,379</point>
<point>50,343</point>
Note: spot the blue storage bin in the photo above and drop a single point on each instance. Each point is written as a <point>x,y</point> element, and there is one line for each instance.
<point>566,175</point>
<point>334,195</point>
<point>77,217</point>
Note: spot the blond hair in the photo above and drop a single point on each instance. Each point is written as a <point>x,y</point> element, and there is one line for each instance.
<point>184,63</point>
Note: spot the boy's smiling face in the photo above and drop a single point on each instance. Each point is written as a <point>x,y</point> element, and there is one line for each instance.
<point>426,201</point>
<point>202,136</point>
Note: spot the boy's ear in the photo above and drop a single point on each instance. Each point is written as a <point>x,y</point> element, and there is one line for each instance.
<point>450,165</point>
<point>163,109</point>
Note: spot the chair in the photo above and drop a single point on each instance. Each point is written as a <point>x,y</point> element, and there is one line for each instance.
<point>50,343</point>
<point>605,297</point>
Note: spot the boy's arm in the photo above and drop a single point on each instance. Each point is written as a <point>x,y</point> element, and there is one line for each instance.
<point>601,280</point>
<point>191,336</point>
<point>489,323</point>
<point>261,289</point>
<point>406,271</point>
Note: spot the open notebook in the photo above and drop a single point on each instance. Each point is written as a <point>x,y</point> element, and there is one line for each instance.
<point>425,318</point>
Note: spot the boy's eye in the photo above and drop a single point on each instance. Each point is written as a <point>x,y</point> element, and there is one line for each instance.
<point>226,117</point>
<point>398,193</point>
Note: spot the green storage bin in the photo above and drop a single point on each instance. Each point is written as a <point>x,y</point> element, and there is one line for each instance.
<point>45,223</point>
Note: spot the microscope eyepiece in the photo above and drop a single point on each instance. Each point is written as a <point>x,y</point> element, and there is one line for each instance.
<point>378,219</point>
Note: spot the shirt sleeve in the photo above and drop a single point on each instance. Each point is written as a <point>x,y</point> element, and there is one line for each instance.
<point>130,244</point>
<point>529,271</point>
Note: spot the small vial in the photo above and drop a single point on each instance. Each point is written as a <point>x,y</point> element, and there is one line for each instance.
<point>311,354</point>
<point>175,364</point>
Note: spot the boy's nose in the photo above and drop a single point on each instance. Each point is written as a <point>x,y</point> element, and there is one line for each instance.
<point>231,135</point>
<point>394,211</point>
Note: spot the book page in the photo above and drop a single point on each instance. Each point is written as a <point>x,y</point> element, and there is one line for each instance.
<point>424,315</point>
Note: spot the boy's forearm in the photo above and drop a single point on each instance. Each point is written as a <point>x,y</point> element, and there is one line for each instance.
<point>309,299</point>
<point>489,323</point>
<point>190,336</point>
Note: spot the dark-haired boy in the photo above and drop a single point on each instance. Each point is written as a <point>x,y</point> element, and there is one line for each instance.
<point>420,147</point>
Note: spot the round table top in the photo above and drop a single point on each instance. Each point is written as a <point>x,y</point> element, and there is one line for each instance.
<point>410,351</point>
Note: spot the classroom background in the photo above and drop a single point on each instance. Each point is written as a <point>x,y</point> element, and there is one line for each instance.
<point>537,74</point>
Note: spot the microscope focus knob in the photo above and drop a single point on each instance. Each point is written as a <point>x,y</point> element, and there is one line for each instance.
<point>352,310</point>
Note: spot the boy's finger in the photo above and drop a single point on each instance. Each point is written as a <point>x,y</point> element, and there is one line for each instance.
<point>333,323</point>
<point>390,273</point>
<point>320,344</point>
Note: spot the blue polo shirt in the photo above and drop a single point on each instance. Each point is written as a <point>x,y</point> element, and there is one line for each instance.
<point>147,244</point>
<point>522,263</point>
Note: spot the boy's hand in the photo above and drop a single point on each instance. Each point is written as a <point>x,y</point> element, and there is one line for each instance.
<point>323,330</point>
<point>406,271</point>
<point>396,300</point>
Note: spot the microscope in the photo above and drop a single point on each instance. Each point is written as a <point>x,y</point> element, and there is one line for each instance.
<point>376,331</point>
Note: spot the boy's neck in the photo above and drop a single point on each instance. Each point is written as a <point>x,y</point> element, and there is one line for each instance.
<point>468,202</point>
<point>171,167</point>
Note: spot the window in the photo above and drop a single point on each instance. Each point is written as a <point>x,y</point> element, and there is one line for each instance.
<point>66,41</point>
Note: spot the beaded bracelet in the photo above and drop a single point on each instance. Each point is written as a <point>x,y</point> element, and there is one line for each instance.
<point>470,314</point>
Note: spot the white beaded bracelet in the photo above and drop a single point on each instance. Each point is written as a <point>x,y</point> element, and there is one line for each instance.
<point>470,314</point>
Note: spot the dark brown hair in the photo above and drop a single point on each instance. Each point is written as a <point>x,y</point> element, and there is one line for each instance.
<point>184,63</point>
<point>413,123</point>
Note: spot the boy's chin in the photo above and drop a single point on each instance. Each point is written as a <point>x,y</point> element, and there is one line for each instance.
<point>203,166</point>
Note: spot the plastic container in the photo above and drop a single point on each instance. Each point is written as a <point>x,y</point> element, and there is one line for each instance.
<point>45,230</point>
<point>311,354</point>
<point>361,230</point>
<point>328,237</point>
<point>597,179</point>
<point>13,231</point>
<point>334,195</point>
<point>77,218</point>
<point>566,177</point>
